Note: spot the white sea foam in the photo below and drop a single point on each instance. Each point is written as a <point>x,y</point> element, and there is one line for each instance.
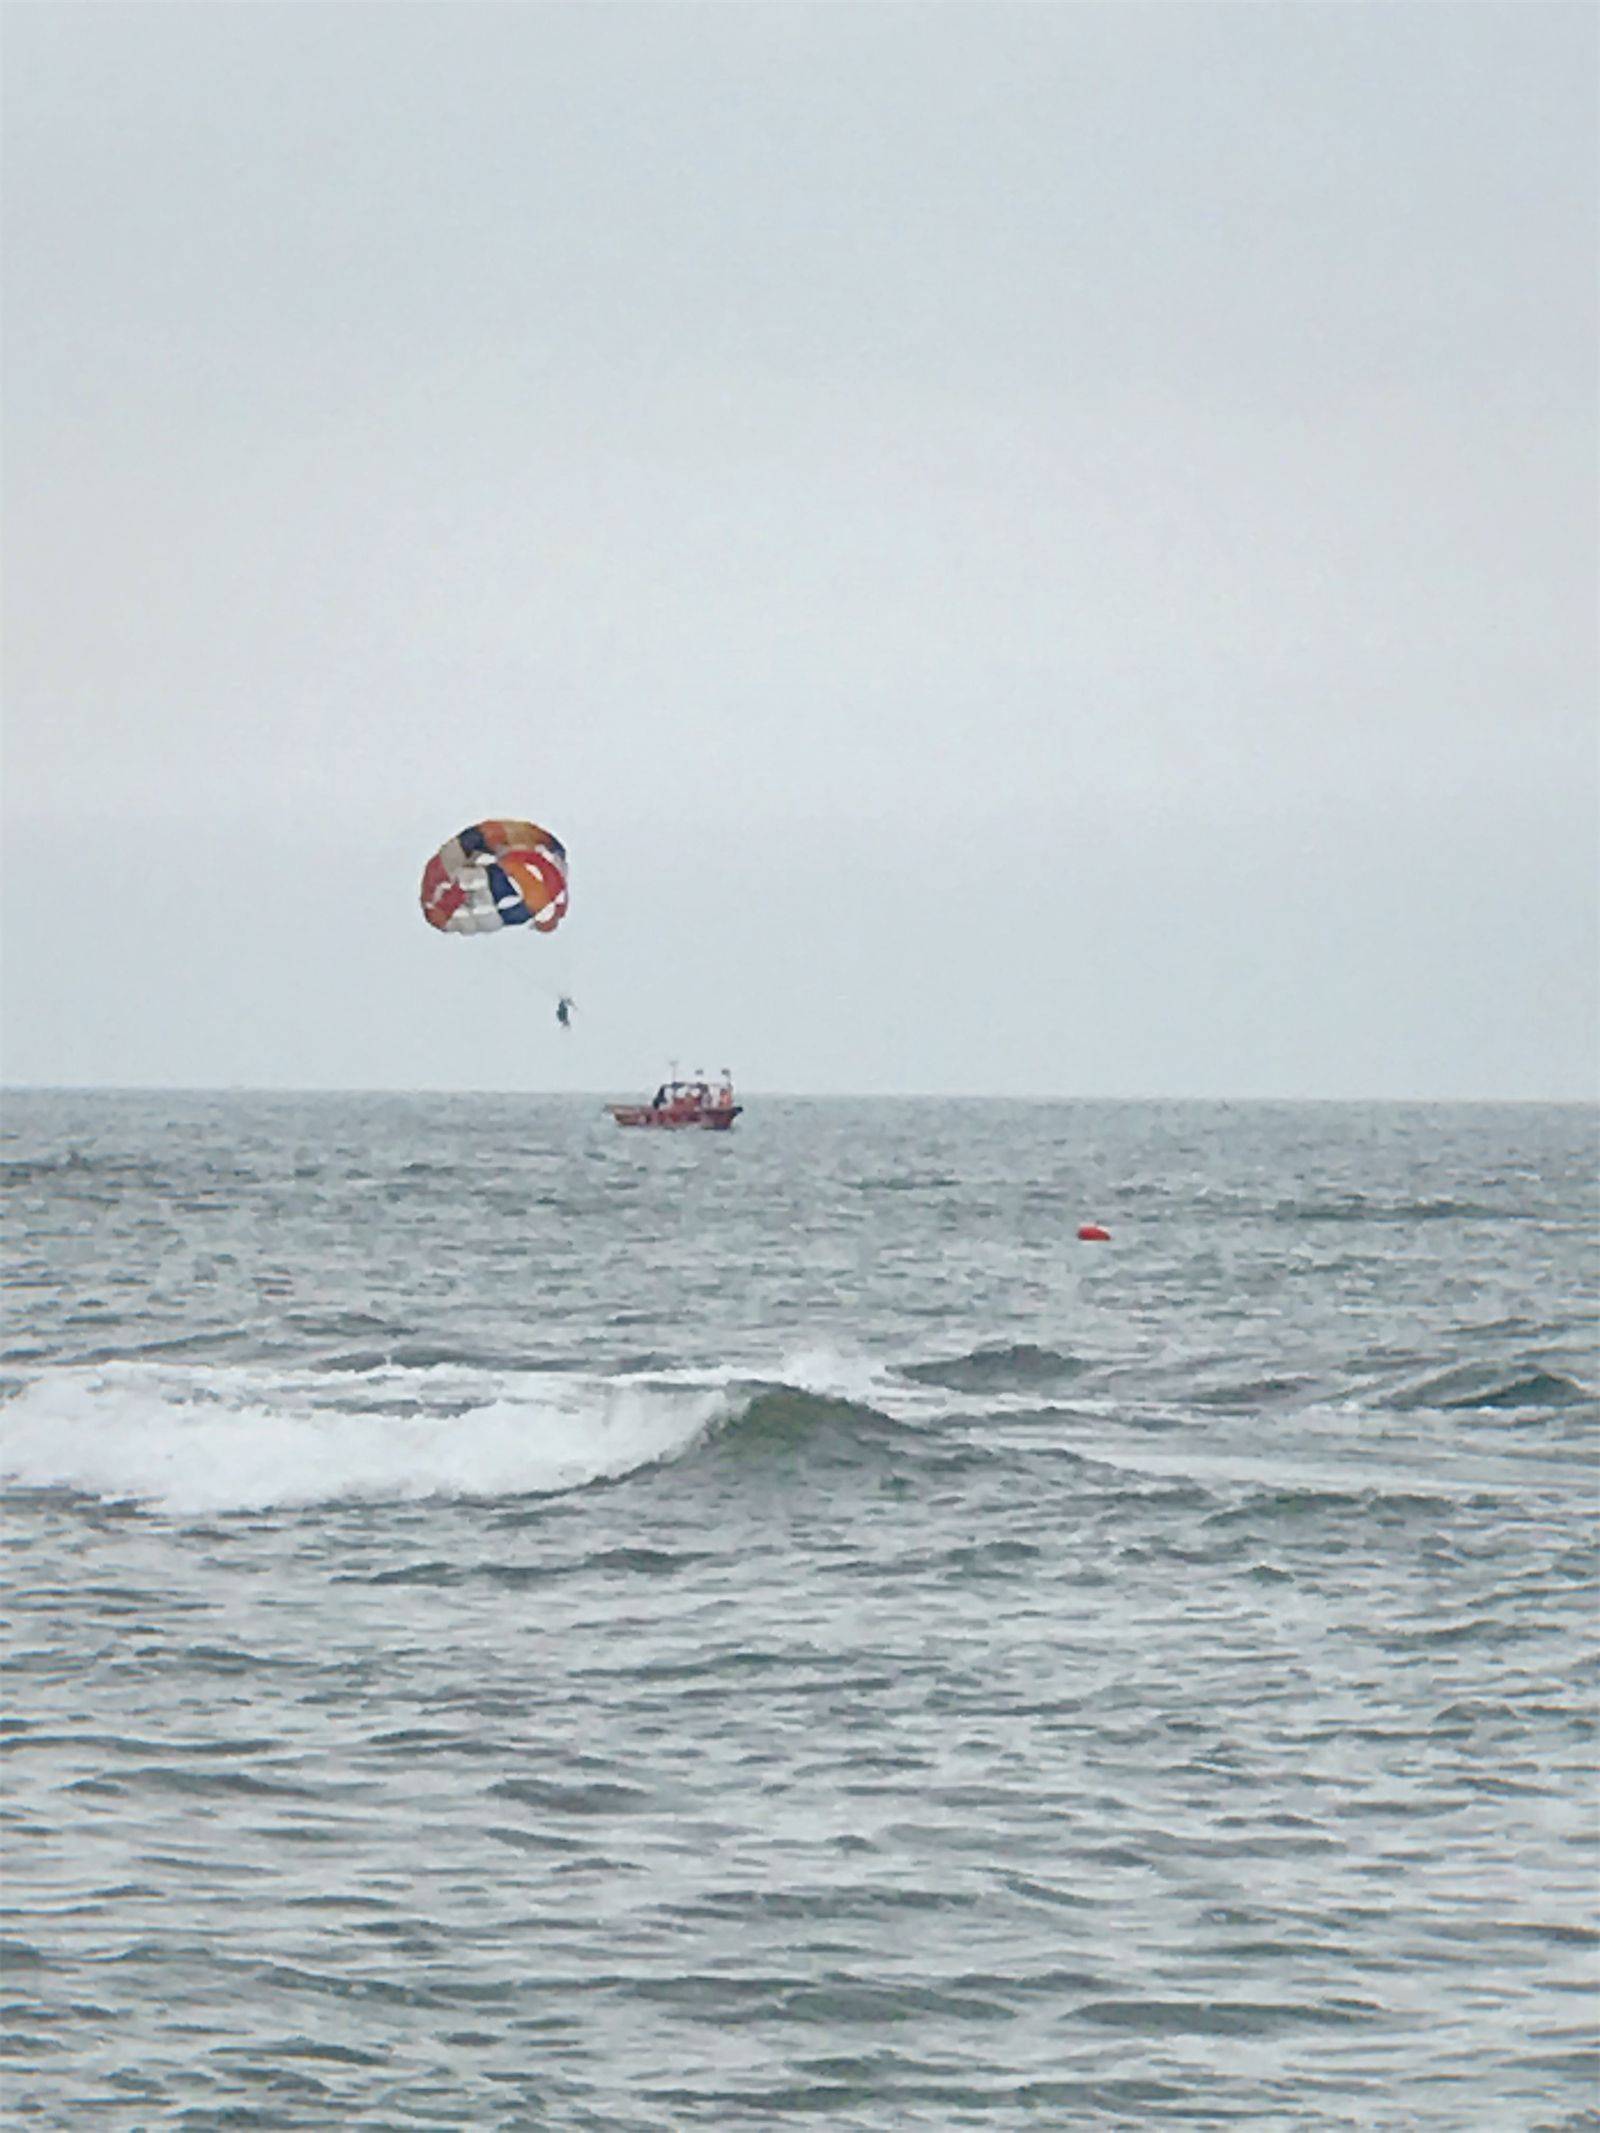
<point>202,1441</point>
<point>827,1372</point>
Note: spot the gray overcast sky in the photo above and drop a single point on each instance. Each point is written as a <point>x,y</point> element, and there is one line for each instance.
<point>1024,549</point>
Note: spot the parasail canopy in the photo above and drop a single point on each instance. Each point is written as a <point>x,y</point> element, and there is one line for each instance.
<point>496,874</point>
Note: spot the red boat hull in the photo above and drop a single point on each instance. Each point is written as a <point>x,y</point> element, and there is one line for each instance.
<point>716,1118</point>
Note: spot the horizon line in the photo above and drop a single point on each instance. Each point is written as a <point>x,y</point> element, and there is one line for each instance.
<point>606,1094</point>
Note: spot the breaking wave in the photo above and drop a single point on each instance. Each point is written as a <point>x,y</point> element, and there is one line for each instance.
<point>195,1442</point>
<point>204,1440</point>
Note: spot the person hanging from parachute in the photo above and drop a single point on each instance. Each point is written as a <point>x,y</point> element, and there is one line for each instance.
<point>498,874</point>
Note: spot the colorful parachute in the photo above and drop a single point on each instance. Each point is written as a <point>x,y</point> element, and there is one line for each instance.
<point>496,874</point>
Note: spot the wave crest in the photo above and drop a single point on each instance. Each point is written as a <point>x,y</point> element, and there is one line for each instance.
<point>203,1441</point>
<point>1020,1367</point>
<point>194,1440</point>
<point>777,1419</point>
<point>1523,1385</point>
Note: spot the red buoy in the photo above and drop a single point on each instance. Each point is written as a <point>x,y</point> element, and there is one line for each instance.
<point>1092,1233</point>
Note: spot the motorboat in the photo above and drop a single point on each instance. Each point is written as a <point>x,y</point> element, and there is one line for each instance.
<point>684,1103</point>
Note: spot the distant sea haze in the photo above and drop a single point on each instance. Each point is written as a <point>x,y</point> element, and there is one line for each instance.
<point>515,1623</point>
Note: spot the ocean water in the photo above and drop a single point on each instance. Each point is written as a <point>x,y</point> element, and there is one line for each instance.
<point>512,1623</point>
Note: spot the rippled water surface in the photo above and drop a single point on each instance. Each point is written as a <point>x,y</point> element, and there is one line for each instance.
<point>517,1624</point>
